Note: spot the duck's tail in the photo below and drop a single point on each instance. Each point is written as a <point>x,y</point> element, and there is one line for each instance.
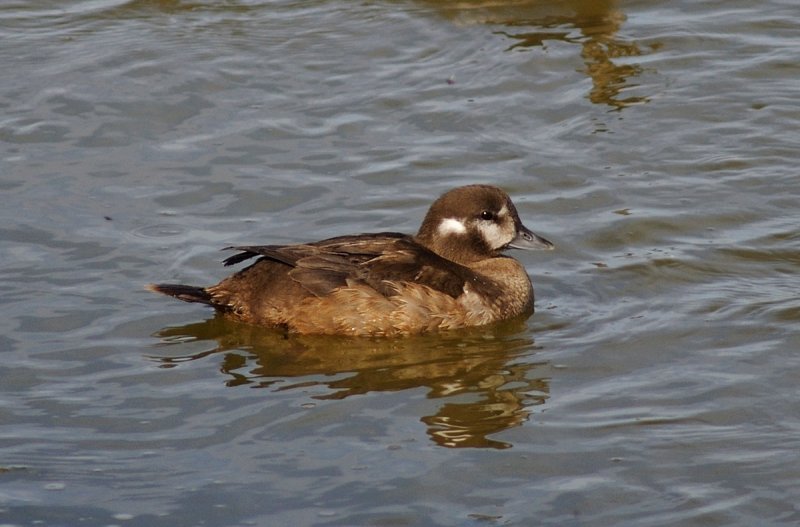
<point>187,293</point>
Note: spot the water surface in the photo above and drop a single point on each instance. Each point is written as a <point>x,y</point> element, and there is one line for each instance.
<point>655,144</point>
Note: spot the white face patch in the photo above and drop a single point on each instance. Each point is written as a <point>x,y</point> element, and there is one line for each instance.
<point>451,226</point>
<point>499,232</point>
<point>496,236</point>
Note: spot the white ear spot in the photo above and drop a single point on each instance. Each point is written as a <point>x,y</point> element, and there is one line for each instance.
<point>451,226</point>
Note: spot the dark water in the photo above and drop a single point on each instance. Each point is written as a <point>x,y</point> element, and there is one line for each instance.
<point>656,143</point>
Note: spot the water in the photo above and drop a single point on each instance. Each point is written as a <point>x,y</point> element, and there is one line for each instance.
<point>655,144</point>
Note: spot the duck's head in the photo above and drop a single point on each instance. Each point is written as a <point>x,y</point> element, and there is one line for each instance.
<point>473,223</point>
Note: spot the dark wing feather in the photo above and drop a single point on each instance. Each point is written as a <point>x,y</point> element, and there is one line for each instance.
<point>338,262</point>
<point>375,260</point>
<point>415,264</point>
<point>287,254</point>
<point>238,257</point>
<point>367,244</point>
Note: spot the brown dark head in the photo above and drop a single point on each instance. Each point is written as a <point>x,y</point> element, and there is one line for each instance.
<point>473,223</point>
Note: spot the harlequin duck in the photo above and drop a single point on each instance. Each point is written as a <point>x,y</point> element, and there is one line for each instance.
<point>450,275</point>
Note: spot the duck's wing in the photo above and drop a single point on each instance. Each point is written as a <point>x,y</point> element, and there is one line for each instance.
<point>322,266</point>
<point>359,244</point>
<point>414,264</point>
<point>286,254</point>
<point>375,260</point>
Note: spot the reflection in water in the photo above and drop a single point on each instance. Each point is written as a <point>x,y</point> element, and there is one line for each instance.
<point>591,24</point>
<point>486,391</point>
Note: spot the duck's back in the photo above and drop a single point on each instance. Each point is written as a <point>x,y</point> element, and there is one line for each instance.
<point>372,284</point>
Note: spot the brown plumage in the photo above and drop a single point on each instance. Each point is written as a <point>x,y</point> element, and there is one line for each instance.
<point>450,275</point>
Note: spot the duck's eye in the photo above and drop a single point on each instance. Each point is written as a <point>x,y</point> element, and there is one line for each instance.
<point>487,215</point>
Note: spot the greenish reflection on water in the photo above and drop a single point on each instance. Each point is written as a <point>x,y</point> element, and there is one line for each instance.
<point>593,25</point>
<point>483,385</point>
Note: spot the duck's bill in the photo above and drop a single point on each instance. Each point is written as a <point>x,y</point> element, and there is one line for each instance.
<point>527,239</point>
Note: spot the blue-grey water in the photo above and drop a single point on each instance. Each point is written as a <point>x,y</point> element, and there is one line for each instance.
<point>656,143</point>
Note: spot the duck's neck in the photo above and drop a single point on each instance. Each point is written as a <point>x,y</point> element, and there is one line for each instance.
<point>458,249</point>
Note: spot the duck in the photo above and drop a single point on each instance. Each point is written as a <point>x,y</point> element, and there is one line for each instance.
<point>452,274</point>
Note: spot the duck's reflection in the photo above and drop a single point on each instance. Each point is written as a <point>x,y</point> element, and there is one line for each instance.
<point>591,24</point>
<point>485,378</point>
